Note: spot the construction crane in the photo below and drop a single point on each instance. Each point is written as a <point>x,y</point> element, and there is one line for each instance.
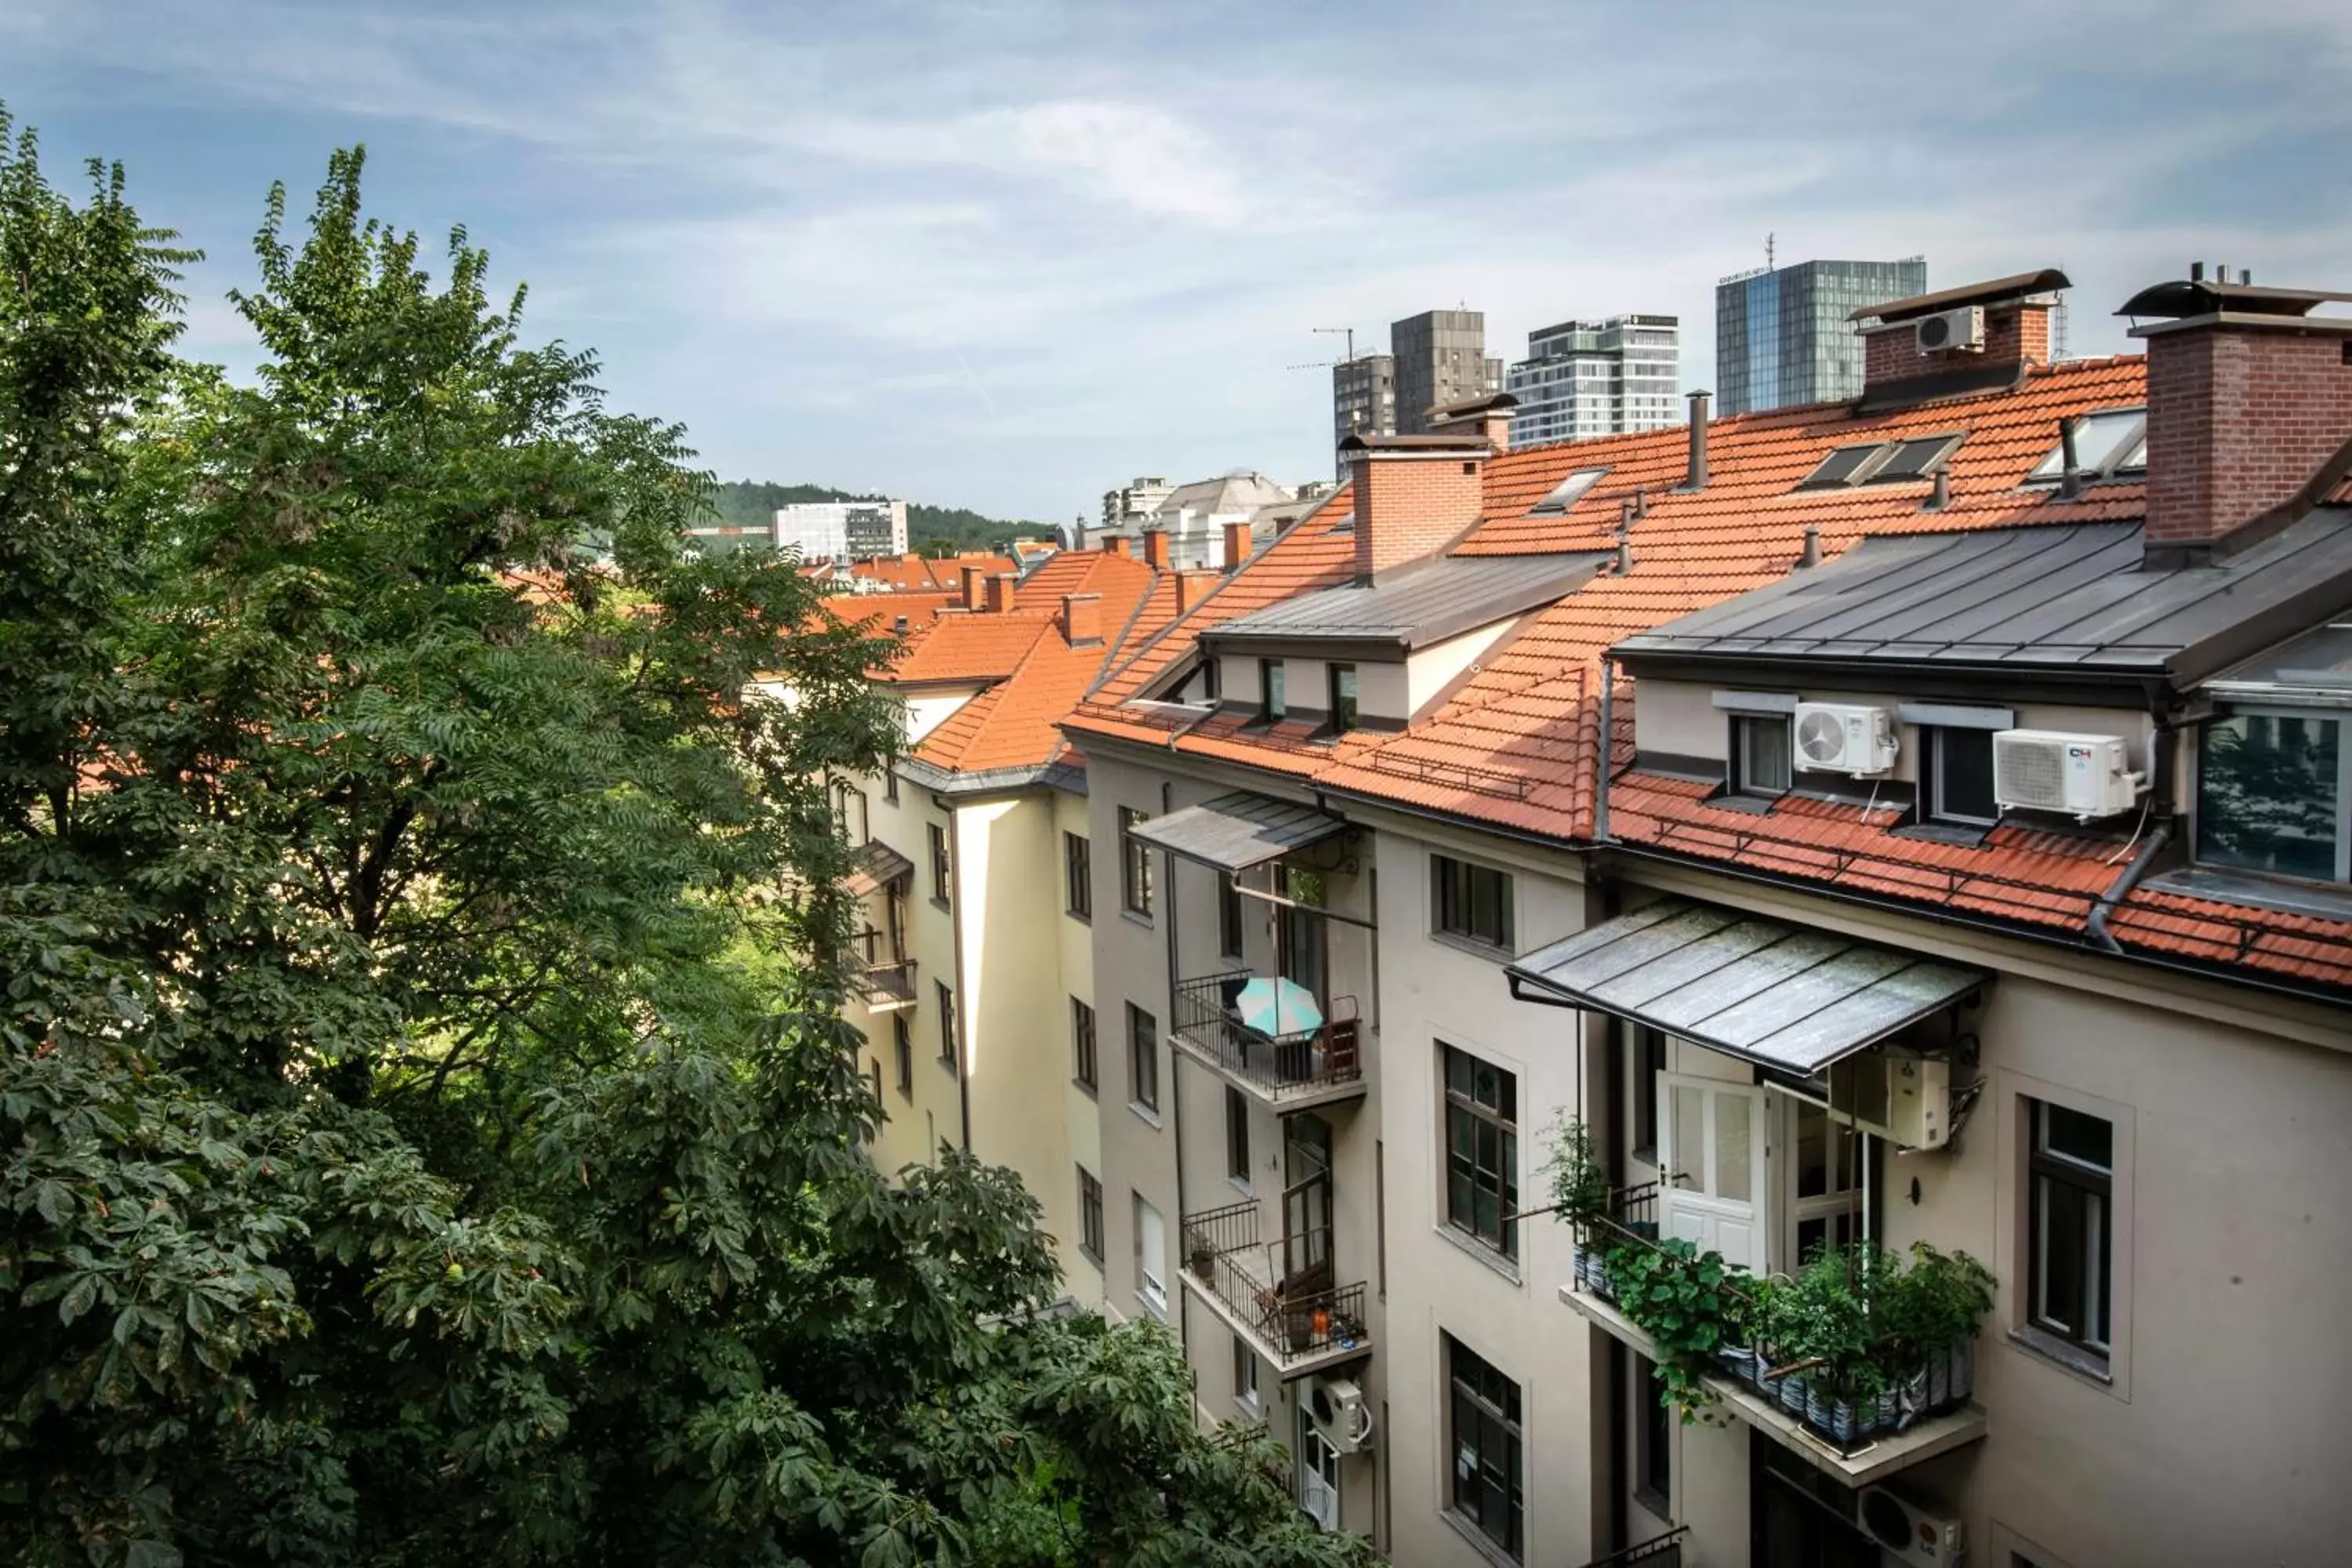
<point>1348,333</point>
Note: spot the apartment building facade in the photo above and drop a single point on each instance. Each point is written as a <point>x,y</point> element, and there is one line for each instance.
<point>1441,359</point>
<point>841,530</point>
<point>1538,896</point>
<point>1586,379</point>
<point>1783,336</point>
<point>1364,399</point>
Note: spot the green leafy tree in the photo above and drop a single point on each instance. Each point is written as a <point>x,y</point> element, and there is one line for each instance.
<point>428,1134</point>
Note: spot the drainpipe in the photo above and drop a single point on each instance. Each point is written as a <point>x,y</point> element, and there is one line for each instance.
<point>2120,889</point>
<point>1600,791</point>
<point>1175,1073</point>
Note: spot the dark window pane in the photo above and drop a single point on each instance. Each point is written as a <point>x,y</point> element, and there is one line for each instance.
<point>2267,796</point>
<point>2089,1139</point>
<point>1964,775</point>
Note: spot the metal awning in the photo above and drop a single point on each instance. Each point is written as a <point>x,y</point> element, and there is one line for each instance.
<point>1236,831</point>
<point>873,867</point>
<point>1785,996</point>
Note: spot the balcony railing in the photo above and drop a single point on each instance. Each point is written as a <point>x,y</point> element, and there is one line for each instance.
<point>1287,1304</point>
<point>885,977</point>
<point>1299,1063</point>
<point>1661,1552</point>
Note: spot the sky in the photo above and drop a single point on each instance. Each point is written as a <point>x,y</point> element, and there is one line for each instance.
<point>1008,254</point>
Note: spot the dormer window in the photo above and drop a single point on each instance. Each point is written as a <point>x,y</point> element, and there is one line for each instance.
<point>1567,493</point>
<point>1759,754</point>
<point>2272,795</point>
<point>1271,705</point>
<point>1343,698</point>
<point>1883,462</point>
<point>2110,444</point>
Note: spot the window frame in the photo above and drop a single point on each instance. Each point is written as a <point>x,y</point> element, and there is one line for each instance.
<point>1142,1060</point>
<point>945,999</point>
<point>2092,1184</point>
<point>1452,901</point>
<point>1090,1215</point>
<point>1735,767</point>
<point>1933,802</point>
<point>1151,1282</point>
<point>1237,1138</point>
<point>1273,691</point>
<point>1470,1389</point>
<point>1135,890</point>
<point>902,1049</point>
<point>1346,711</point>
<point>1245,1377</point>
<point>1086,1060</point>
<point>2110,464</point>
<point>2198,814</point>
<point>1654,1438</point>
<point>943,868</point>
<point>890,781</point>
<point>1501,1181</point>
<point>1647,1046</point>
<point>1077,875</point>
<point>1229,916</point>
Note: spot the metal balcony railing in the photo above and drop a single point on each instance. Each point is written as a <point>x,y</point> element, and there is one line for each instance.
<point>1301,1061</point>
<point>885,975</point>
<point>1294,1312</point>
<point>1661,1552</point>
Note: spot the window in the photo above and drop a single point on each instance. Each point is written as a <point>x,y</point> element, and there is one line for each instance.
<point>1473,903</point>
<point>947,1024</point>
<point>1150,1258</point>
<point>1229,916</point>
<point>1079,875</point>
<point>940,873</point>
<point>1135,864</point>
<point>1212,674</point>
<point>1913,459</point>
<point>2271,796</point>
<point>1343,698</point>
<point>1271,705</point>
<point>1959,776</point>
<point>1244,1375</point>
<point>1484,1418</point>
<point>902,1050</point>
<point>1142,1057</point>
<point>1759,753</point>
<point>1482,1150</point>
<point>1237,1143</point>
<point>874,1077</point>
<point>1842,467</point>
<point>2071,1248</point>
<point>1082,1045</point>
<point>1090,1215</point>
<point>890,779</point>
<point>1653,1477</point>
<point>1649,1061</point>
<point>2111,442</point>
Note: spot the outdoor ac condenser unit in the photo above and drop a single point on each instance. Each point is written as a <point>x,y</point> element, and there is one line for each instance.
<point>2085,776</point>
<point>1844,738</point>
<point>1960,329</point>
<point>1908,1533</point>
<point>1337,1407</point>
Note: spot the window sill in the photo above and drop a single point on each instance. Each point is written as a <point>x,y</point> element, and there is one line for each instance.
<point>1966,834</point>
<point>942,906</point>
<point>1082,1086</point>
<point>1480,1542</point>
<point>1156,1310</point>
<point>1241,1184</point>
<point>1145,1113</point>
<point>1473,947</point>
<point>1656,1503</point>
<point>1136,917</point>
<point>2066,1357</point>
<point>1251,1408</point>
<point>1083,917</point>
<point>1754,805</point>
<point>1090,1255</point>
<point>1479,1250</point>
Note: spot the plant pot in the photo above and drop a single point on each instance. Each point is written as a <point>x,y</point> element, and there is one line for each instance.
<point>1912,1398</point>
<point>1962,1375</point>
<point>1792,1395</point>
<point>1739,1361</point>
<point>1845,1421</point>
<point>1939,1381</point>
<point>1889,1413</point>
<point>1205,1262</point>
<point>1818,1405</point>
<point>1302,1332</point>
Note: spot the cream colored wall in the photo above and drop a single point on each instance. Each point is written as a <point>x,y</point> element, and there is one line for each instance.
<point>1431,670</point>
<point>1432,991</point>
<point>1081,1108</point>
<point>932,1112</point>
<point>928,710</point>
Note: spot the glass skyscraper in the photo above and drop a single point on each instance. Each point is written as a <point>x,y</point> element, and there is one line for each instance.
<point>1782,337</point>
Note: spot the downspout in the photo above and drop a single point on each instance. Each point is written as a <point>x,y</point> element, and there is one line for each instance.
<point>1175,1073</point>
<point>1607,744</point>
<point>2159,791</point>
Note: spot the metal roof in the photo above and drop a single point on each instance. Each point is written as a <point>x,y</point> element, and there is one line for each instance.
<point>1236,831</point>
<point>2072,598</point>
<point>2203,296</point>
<point>1789,997</point>
<point>2316,668</point>
<point>2015,285</point>
<point>1422,604</point>
<point>872,867</point>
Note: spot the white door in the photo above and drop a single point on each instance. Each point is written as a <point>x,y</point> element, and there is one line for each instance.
<point>1712,1141</point>
<point>1319,1475</point>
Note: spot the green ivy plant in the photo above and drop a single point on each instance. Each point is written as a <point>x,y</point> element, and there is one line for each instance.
<point>1689,1304</point>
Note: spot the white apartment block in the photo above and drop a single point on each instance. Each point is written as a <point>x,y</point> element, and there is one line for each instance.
<point>841,530</point>
<point>1583,379</point>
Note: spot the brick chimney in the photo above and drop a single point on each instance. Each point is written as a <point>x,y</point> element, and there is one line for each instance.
<point>1118,544</point>
<point>972,593</point>
<point>1082,620</point>
<point>1191,588</point>
<point>1237,544</point>
<point>1992,333</point>
<point>2249,411</point>
<point>1155,548</point>
<point>1487,416</point>
<point>1003,590</point>
<point>1413,493</point>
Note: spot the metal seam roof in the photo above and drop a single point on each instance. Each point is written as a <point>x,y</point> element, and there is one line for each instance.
<point>1239,830</point>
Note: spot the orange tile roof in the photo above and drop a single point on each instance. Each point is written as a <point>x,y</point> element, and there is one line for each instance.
<point>921,571</point>
<point>881,611</point>
<point>1514,744</point>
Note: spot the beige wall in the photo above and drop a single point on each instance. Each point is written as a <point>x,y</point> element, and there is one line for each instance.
<point>1081,1107</point>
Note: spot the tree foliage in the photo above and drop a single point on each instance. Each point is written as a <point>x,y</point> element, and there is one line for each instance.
<point>428,1134</point>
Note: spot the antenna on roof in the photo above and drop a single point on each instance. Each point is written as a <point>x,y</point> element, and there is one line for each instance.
<point>1768,253</point>
<point>2059,352</point>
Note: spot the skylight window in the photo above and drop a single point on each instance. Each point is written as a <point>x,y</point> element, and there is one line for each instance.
<point>1567,493</point>
<point>2111,442</point>
<point>1841,466</point>
<point>1913,459</point>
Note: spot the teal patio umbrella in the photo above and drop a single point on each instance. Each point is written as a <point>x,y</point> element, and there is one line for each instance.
<point>1278,1007</point>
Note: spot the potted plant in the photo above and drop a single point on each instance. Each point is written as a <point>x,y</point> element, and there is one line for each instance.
<point>1580,1196</point>
<point>1827,1327</point>
<point>1950,1292</point>
<point>1203,1256</point>
<point>1688,1302</point>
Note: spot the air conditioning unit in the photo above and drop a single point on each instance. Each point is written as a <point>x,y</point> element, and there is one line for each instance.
<point>1960,329</point>
<point>1908,1533</point>
<point>1842,738</point>
<point>1918,1099</point>
<point>2085,776</point>
<point>1338,1408</point>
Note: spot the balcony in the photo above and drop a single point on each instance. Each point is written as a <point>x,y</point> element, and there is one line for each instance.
<point>1659,1552</point>
<point>1295,1316</point>
<point>1771,1398</point>
<point>884,979</point>
<point>1291,1072</point>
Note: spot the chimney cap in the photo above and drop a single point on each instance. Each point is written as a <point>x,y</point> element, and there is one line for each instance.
<point>1431,443</point>
<point>2204,296</point>
<point>1469,407</point>
<point>1993,291</point>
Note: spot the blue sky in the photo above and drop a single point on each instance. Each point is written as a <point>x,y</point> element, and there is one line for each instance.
<point>1008,254</point>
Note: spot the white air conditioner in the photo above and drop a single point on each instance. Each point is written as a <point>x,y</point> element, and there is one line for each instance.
<point>1918,1099</point>
<point>1960,329</point>
<point>1842,738</point>
<point>1908,1533</point>
<point>1337,1407</point>
<point>2085,776</point>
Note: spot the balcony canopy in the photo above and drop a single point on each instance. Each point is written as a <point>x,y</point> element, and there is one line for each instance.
<point>874,868</point>
<point>1784,997</point>
<point>1236,831</point>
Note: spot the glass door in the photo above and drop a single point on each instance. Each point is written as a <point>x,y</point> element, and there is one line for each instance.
<point>1306,1205</point>
<point>1712,1154</point>
<point>1826,1171</point>
<point>1319,1475</point>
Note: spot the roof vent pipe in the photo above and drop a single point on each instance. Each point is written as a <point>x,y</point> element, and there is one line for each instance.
<point>1641,501</point>
<point>1624,516</point>
<point>2070,473</point>
<point>1625,555</point>
<point>2197,272</point>
<point>1811,555</point>
<point>1696,479</point>
<point>1941,496</point>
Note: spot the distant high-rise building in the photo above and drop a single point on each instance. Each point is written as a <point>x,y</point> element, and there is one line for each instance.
<point>1782,336</point>
<point>1363,398</point>
<point>1597,378</point>
<point>842,530</point>
<point>1441,358</point>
